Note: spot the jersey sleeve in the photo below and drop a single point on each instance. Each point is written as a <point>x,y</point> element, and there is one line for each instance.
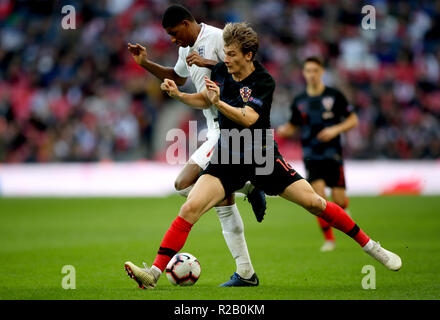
<point>343,108</point>
<point>261,94</point>
<point>219,46</point>
<point>295,117</point>
<point>181,68</point>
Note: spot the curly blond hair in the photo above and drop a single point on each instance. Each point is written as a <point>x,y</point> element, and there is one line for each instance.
<point>243,36</point>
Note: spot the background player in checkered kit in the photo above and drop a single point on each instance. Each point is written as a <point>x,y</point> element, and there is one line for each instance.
<point>323,114</point>
<point>201,48</point>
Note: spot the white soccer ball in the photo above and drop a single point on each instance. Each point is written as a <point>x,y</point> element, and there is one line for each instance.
<point>183,269</point>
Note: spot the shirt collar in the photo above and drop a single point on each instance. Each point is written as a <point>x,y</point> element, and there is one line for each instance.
<point>202,29</point>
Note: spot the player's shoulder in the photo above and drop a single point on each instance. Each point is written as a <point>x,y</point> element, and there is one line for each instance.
<point>302,95</point>
<point>211,32</point>
<point>212,29</point>
<point>263,76</point>
<point>333,91</point>
<point>220,68</point>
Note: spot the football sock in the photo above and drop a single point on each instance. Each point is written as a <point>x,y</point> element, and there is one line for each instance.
<point>336,217</point>
<point>326,229</point>
<point>233,232</point>
<point>369,245</point>
<point>172,242</point>
<point>185,192</point>
<point>246,189</point>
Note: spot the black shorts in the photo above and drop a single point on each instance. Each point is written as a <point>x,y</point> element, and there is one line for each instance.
<point>331,171</point>
<point>234,176</point>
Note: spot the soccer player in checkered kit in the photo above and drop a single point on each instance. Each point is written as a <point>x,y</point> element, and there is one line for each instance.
<point>200,49</point>
<point>323,114</point>
<point>241,90</point>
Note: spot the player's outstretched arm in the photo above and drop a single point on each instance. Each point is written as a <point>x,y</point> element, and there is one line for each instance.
<point>286,130</point>
<point>246,116</point>
<point>332,132</point>
<point>195,100</point>
<point>139,54</point>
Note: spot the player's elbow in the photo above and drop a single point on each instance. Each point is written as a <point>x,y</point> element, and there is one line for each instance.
<point>283,134</point>
<point>286,131</point>
<point>180,81</point>
<point>247,123</point>
<point>250,119</point>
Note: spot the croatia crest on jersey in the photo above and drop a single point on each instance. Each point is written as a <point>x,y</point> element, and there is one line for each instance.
<point>328,103</point>
<point>245,93</point>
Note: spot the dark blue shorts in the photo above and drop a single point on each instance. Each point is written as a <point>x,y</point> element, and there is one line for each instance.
<point>234,176</point>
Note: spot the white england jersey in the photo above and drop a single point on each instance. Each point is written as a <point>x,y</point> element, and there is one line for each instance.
<point>209,45</point>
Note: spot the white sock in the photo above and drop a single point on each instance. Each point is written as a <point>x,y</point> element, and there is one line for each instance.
<point>247,188</point>
<point>369,245</point>
<point>233,231</point>
<point>185,192</point>
<point>156,272</point>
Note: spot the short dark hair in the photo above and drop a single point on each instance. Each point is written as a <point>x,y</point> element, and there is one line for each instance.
<point>174,15</point>
<point>314,59</point>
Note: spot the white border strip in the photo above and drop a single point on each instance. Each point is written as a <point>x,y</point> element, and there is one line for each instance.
<point>156,179</point>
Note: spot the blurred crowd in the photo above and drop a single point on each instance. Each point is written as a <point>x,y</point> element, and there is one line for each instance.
<point>77,95</point>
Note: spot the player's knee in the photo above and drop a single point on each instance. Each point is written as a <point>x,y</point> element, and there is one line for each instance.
<point>189,210</point>
<point>181,184</point>
<point>314,203</point>
<point>340,202</point>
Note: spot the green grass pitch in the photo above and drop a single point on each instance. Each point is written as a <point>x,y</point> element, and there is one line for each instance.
<point>39,236</point>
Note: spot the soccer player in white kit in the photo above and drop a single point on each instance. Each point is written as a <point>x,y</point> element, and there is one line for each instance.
<point>201,48</point>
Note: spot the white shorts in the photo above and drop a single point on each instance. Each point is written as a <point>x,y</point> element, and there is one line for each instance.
<point>203,154</point>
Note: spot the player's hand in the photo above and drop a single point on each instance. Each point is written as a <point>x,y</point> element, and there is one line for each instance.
<point>327,134</point>
<point>194,58</point>
<point>213,91</point>
<point>138,52</point>
<point>170,87</point>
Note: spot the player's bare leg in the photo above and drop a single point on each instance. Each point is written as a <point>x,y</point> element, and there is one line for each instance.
<point>187,177</point>
<point>229,216</point>
<point>319,187</point>
<point>339,197</point>
<point>189,174</point>
<point>207,192</point>
<point>329,238</point>
<point>302,193</point>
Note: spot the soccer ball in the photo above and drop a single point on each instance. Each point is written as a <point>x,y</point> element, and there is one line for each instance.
<point>183,269</point>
